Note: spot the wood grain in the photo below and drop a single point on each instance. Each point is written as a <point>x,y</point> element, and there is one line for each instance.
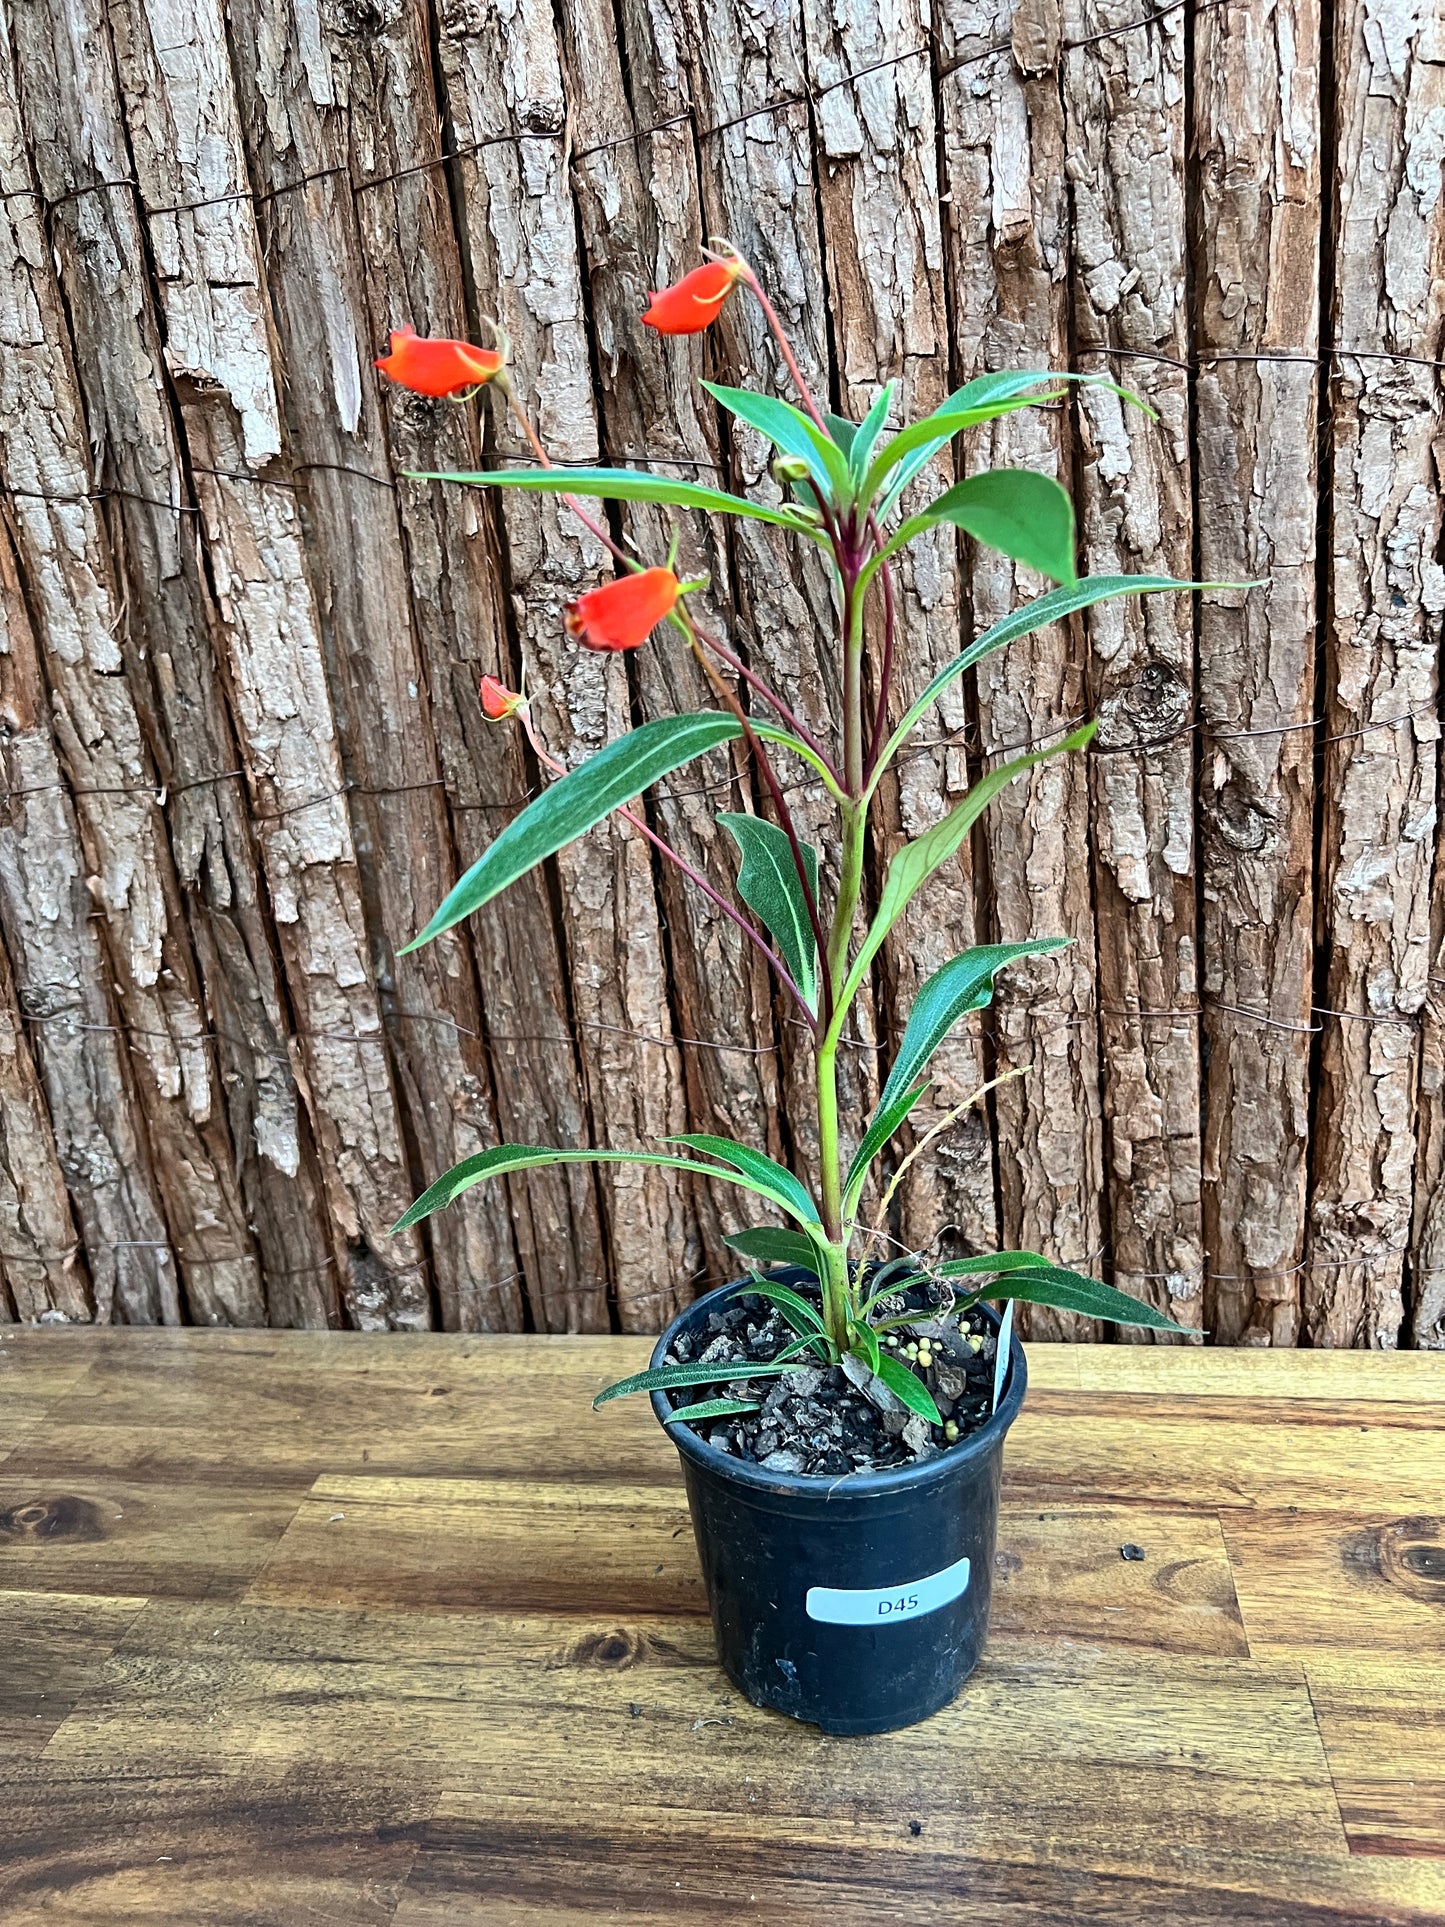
<point>63,1640</point>
<point>524,262</point>
<point>127,337</point>
<point>1124,156</point>
<point>1387,591</point>
<point>761,181</point>
<point>1257,130</point>
<point>322,282</point>
<point>639,203</point>
<point>1008,226</point>
<point>878,188</point>
<point>172,1174</point>
<point>1383,1725</point>
<point>386,1651</point>
<point>1310,1579</point>
<point>241,646</point>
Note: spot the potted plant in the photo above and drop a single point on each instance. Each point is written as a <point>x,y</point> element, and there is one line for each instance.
<point>840,1412</point>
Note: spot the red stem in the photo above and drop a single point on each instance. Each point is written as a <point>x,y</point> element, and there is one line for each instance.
<point>596,528</point>
<point>885,671</point>
<point>695,876</point>
<point>770,315</point>
<point>740,668</point>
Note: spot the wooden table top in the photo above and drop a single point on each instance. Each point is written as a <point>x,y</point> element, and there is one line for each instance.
<point>303,1628</point>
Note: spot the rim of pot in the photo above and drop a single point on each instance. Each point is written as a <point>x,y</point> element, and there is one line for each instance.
<point>890,1479</point>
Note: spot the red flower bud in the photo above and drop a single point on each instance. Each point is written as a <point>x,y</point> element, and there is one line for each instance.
<point>624,613</point>
<point>499,702</point>
<point>688,307</point>
<point>436,366</point>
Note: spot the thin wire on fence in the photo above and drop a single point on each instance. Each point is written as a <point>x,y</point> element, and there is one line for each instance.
<point>780,103</point>
<point>161,792</point>
<point>102,492</point>
<point>1374,1256</point>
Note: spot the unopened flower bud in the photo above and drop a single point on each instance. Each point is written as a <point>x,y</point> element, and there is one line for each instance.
<point>790,468</point>
<point>499,702</point>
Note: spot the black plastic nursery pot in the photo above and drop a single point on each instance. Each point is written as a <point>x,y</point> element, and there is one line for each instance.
<point>857,1603</point>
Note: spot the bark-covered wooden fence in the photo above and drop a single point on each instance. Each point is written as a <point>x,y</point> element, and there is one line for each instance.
<point>242,753</point>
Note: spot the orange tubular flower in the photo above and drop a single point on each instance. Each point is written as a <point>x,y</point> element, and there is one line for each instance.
<point>624,613</point>
<point>436,366</point>
<point>688,306</point>
<point>499,702</point>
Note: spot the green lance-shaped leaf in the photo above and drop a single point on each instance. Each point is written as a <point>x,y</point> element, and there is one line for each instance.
<point>864,1343</point>
<point>886,1120</point>
<point>667,1378</point>
<point>619,485</point>
<point>871,427</point>
<point>1022,514</point>
<point>979,400</point>
<point>570,806</point>
<point>904,1272</point>
<point>916,861</point>
<point>1072,1291</point>
<point>711,1408</point>
<point>988,1262</point>
<point>792,433</point>
<point>768,882</point>
<point>843,431</point>
<point>925,452</point>
<point>962,985</point>
<point>1053,606</point>
<point>525,1157</point>
<point>802,1316</point>
<point>762,1174</point>
<point>913,1392</point>
<point>767,1244</point>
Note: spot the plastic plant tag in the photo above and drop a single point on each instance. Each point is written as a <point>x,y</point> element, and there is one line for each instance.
<point>886,1605</point>
<point>1005,1341</point>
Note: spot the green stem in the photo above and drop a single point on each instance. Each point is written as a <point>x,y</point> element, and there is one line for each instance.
<point>850,888</point>
<point>836,1293</point>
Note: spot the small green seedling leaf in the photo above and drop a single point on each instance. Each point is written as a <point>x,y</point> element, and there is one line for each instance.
<point>802,1316</point>
<point>842,430</point>
<point>965,983</point>
<point>989,1262</point>
<point>865,1343</point>
<point>886,1120</point>
<point>979,400</point>
<point>789,430</point>
<point>525,1157</point>
<point>711,1408</point>
<point>915,862</point>
<point>913,1392</point>
<point>1052,606</point>
<point>866,438</point>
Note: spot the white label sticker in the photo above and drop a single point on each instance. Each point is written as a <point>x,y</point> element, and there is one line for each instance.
<point>877,1606</point>
<point>1000,1357</point>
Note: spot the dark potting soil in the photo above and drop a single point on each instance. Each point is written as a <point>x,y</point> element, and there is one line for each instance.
<point>826,1421</point>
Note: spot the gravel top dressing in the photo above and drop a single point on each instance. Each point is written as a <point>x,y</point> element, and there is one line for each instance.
<point>828,1420</point>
